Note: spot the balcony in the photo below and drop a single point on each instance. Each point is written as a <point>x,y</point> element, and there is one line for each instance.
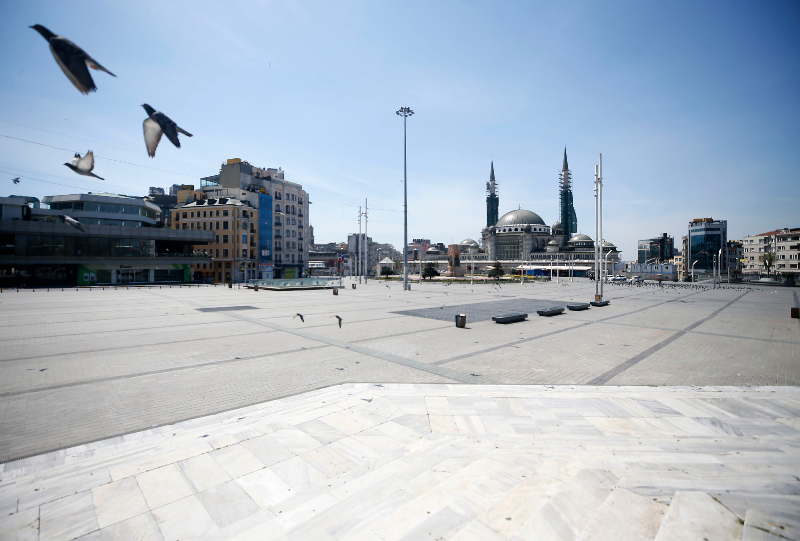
<point>278,236</point>
<point>300,226</point>
<point>278,248</point>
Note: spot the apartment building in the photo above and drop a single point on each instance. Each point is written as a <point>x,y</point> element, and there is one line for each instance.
<point>234,251</point>
<point>784,243</point>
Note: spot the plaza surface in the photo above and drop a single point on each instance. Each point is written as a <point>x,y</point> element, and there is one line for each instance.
<point>116,395</point>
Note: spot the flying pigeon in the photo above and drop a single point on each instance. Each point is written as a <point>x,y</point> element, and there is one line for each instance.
<point>15,180</point>
<point>72,60</point>
<point>157,124</point>
<point>340,320</point>
<point>72,221</point>
<point>83,166</point>
<point>300,316</point>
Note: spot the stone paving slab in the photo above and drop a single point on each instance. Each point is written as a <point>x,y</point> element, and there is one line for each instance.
<point>77,366</point>
<point>391,461</point>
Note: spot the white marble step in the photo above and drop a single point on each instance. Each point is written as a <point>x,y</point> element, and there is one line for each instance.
<point>625,516</point>
<point>571,508</point>
<point>772,524</point>
<point>696,515</point>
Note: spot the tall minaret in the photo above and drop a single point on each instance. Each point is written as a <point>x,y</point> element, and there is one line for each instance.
<point>492,200</point>
<point>569,220</point>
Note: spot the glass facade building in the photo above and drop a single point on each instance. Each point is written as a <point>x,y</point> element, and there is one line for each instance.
<point>657,250</point>
<point>705,240</point>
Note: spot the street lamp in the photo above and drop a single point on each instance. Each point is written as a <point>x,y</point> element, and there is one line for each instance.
<point>405,112</point>
<point>693,264</point>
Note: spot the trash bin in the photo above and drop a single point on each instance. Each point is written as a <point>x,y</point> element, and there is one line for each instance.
<point>255,287</point>
<point>354,286</point>
<point>461,320</point>
<point>335,291</point>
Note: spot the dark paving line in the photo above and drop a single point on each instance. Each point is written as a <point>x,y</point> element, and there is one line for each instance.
<point>133,329</point>
<point>151,372</point>
<point>604,378</point>
<point>148,344</point>
<point>532,338</point>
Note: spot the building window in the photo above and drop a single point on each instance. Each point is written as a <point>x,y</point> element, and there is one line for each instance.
<point>244,252</point>
<point>224,239</point>
<point>225,212</point>
<point>225,225</point>
<point>216,239</point>
<point>192,226</point>
<point>185,225</point>
<point>204,226</point>
<point>217,226</point>
<point>224,252</point>
<point>204,214</point>
<point>185,215</point>
<point>217,254</point>
<point>192,214</point>
<point>244,238</point>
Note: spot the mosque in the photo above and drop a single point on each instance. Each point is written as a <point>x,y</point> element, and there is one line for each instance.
<point>520,239</point>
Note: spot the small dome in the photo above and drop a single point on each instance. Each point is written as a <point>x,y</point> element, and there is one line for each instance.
<point>557,225</point>
<point>580,237</point>
<point>519,217</point>
<point>527,228</point>
<point>552,243</point>
<point>607,244</point>
<point>492,230</point>
<point>468,242</point>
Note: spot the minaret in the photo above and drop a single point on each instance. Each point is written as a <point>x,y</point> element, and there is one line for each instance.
<point>569,219</point>
<point>492,200</point>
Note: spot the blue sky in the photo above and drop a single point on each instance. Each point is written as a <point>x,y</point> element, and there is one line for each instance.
<point>693,104</point>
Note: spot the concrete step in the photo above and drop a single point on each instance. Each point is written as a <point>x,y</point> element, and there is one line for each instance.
<point>571,508</point>
<point>696,515</point>
<point>625,516</point>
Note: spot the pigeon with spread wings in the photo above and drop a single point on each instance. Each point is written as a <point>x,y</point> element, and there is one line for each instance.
<point>72,221</point>
<point>83,166</point>
<point>72,60</point>
<point>157,124</point>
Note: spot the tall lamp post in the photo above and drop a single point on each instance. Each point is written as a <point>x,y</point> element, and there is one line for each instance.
<point>405,112</point>
<point>693,264</point>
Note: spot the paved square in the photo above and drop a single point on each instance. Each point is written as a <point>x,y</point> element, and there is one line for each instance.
<point>84,365</point>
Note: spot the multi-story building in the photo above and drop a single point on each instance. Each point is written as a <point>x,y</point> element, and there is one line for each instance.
<point>707,242</point>
<point>234,249</point>
<point>680,267</point>
<point>656,250</point>
<point>784,243</point>
<point>282,250</point>
<point>735,257</point>
<point>118,241</point>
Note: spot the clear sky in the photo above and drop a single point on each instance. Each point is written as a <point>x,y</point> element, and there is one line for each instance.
<point>694,106</point>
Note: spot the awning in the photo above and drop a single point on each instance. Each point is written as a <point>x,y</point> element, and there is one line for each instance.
<point>554,267</point>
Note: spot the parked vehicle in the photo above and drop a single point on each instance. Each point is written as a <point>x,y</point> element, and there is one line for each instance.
<point>635,279</point>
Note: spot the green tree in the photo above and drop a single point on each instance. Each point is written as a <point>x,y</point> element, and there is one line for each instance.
<point>768,259</point>
<point>429,271</point>
<point>386,271</point>
<point>496,271</point>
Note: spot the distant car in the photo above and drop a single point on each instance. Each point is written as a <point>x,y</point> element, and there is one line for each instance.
<point>635,279</point>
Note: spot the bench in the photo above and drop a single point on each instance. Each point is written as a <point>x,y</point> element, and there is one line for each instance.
<point>510,318</point>
<point>600,303</point>
<point>549,312</point>
<point>576,307</point>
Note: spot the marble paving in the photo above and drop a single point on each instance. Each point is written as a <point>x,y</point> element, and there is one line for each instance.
<point>402,461</point>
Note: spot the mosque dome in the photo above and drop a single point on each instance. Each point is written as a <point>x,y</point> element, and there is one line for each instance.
<point>607,244</point>
<point>519,217</point>
<point>552,243</point>
<point>557,225</point>
<point>468,242</point>
<point>580,237</point>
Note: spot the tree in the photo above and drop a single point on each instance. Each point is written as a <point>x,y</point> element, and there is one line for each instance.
<point>429,271</point>
<point>386,271</point>
<point>768,259</point>
<point>496,271</point>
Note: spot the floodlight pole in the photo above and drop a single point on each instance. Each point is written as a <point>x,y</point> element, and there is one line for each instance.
<point>598,229</point>
<point>405,112</point>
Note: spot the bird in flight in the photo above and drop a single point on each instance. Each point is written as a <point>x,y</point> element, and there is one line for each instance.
<point>340,320</point>
<point>83,166</point>
<point>300,316</point>
<point>340,369</point>
<point>72,221</point>
<point>157,124</point>
<point>15,180</point>
<point>72,60</point>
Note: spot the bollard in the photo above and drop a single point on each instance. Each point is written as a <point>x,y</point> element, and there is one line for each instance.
<point>354,286</point>
<point>335,291</point>
<point>230,285</point>
<point>461,320</point>
<point>255,287</point>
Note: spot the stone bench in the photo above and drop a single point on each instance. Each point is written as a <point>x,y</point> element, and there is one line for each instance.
<point>600,303</point>
<point>549,312</point>
<point>510,318</point>
<point>576,307</point>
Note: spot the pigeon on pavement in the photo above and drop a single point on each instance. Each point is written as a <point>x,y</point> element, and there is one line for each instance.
<point>340,320</point>
<point>83,166</point>
<point>72,221</point>
<point>300,316</point>
<point>155,125</point>
<point>72,60</point>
